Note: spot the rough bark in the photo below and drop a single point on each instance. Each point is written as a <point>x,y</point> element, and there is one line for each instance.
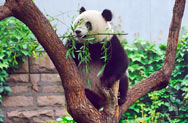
<point>77,104</point>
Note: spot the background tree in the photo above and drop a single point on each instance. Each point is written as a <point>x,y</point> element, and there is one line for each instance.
<point>77,103</point>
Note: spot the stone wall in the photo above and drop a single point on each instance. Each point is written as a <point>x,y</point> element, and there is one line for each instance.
<point>37,94</point>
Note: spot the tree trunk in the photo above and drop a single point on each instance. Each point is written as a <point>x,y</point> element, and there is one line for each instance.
<point>77,104</point>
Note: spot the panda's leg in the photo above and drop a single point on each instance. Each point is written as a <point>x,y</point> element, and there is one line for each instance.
<point>123,89</point>
<point>94,98</point>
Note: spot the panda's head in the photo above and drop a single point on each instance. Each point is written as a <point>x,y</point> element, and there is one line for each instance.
<point>92,22</point>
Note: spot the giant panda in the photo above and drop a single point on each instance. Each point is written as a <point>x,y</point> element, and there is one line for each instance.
<point>94,22</point>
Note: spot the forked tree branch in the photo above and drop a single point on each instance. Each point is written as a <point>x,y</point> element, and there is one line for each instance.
<point>77,104</point>
<point>161,78</point>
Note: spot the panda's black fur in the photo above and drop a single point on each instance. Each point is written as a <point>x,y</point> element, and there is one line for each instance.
<point>116,67</point>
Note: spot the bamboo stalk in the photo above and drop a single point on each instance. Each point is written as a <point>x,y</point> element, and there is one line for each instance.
<point>108,34</point>
<point>97,34</point>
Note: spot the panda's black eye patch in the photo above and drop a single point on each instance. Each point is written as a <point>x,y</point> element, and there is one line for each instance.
<point>88,25</point>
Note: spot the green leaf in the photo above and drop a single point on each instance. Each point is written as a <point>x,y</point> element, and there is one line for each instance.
<point>68,54</point>
<point>89,83</point>
<point>1,56</point>
<point>4,65</point>
<point>7,89</point>
<point>101,109</point>
<point>90,39</point>
<point>101,71</point>
<point>1,89</point>
<point>87,69</point>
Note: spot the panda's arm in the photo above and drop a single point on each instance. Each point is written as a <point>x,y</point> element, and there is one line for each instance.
<point>117,64</point>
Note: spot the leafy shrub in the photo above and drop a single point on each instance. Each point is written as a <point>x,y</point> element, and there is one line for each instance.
<point>169,104</point>
<point>16,42</point>
<point>65,119</point>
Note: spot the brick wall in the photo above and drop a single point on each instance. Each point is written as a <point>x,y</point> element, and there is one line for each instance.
<point>37,94</point>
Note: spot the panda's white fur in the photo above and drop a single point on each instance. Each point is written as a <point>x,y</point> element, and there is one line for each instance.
<point>100,25</point>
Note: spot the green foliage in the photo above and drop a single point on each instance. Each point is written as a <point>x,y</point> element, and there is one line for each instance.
<point>16,42</point>
<point>169,104</point>
<point>65,119</point>
<point>83,51</point>
<point>145,59</point>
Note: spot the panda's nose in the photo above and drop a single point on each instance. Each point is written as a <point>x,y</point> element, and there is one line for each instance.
<point>78,32</point>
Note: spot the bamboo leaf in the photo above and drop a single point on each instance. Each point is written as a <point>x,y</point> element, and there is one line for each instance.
<point>101,71</point>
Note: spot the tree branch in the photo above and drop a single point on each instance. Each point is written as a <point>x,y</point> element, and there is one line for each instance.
<point>145,86</point>
<point>4,12</point>
<point>173,37</point>
<point>161,78</point>
<point>77,103</point>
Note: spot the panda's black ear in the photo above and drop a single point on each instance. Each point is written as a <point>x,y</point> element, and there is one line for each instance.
<point>107,14</point>
<point>82,9</point>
